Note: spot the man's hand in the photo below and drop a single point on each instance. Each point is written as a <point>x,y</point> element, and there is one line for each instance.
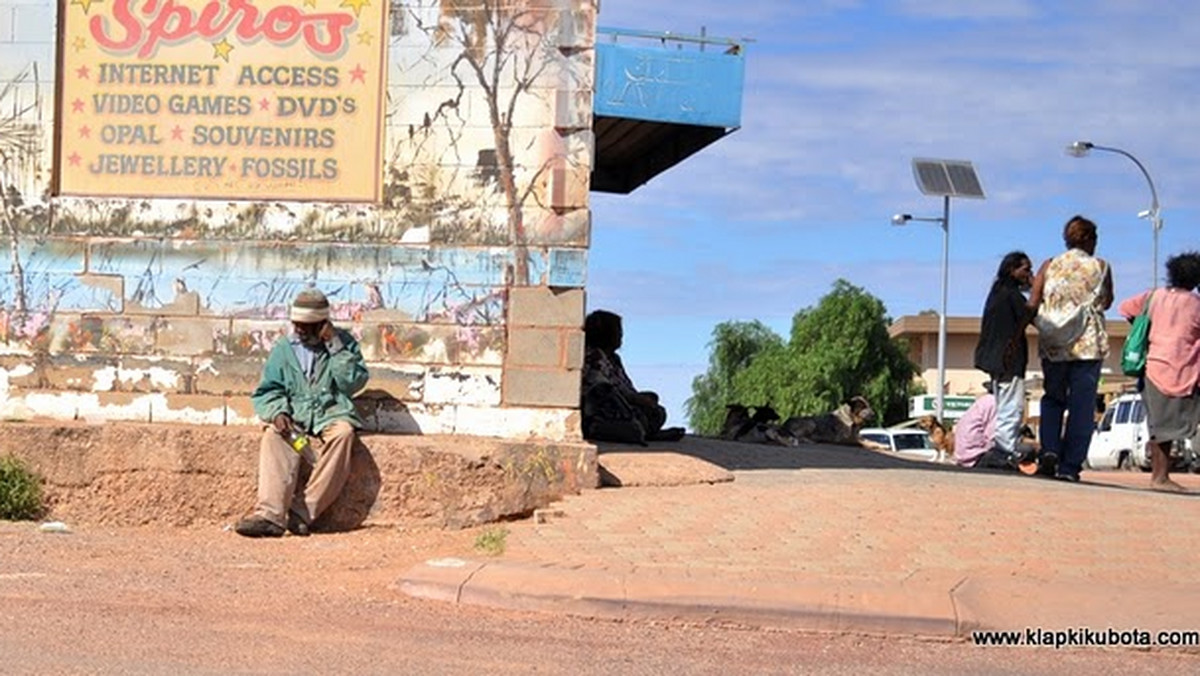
<point>282,423</point>
<point>326,333</point>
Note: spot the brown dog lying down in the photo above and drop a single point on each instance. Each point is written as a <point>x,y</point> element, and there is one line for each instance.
<point>840,426</point>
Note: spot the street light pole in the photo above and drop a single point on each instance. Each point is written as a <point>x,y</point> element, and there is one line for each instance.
<point>941,384</point>
<point>1082,148</point>
<point>901,219</point>
<point>945,178</point>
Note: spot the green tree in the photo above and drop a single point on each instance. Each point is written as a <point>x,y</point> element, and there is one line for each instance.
<point>734,346</point>
<point>837,350</point>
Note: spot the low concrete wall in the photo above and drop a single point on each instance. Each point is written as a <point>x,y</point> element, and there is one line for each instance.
<point>183,474</point>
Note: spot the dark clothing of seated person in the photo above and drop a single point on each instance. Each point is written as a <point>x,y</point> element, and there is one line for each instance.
<point>612,408</point>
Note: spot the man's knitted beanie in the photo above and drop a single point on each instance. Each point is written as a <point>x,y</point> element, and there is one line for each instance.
<point>311,306</point>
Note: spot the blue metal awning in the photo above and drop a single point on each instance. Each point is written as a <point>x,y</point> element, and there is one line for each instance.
<point>660,97</point>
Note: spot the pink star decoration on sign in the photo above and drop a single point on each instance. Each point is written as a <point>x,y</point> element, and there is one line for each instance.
<point>264,104</point>
<point>74,159</point>
<point>358,74</point>
<point>177,133</point>
<point>77,106</point>
<point>85,132</point>
<point>83,73</point>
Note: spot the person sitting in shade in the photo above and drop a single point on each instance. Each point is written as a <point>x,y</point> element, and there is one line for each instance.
<point>305,391</point>
<point>613,409</point>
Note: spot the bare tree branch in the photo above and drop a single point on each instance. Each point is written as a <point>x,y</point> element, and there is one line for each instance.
<point>19,149</point>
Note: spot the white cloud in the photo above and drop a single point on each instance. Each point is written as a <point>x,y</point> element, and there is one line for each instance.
<point>1009,98</point>
<point>969,9</point>
<point>721,17</point>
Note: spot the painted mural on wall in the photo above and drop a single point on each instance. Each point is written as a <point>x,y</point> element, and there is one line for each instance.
<point>496,117</point>
<point>482,179</point>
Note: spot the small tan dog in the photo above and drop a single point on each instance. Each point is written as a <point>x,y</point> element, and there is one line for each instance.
<point>942,440</point>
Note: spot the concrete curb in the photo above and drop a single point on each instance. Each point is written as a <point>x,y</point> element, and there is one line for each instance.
<point>924,605</point>
<point>1016,604</point>
<point>920,608</point>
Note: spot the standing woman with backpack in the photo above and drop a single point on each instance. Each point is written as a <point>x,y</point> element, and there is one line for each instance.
<point>1074,288</point>
<point>1172,362</point>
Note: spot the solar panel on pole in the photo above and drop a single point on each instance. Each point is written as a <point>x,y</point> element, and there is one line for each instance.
<point>947,178</point>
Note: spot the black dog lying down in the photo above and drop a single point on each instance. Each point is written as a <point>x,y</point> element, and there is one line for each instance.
<point>759,428</point>
<point>840,426</point>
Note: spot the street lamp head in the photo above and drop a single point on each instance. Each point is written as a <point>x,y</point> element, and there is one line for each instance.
<point>901,219</point>
<point>1080,148</point>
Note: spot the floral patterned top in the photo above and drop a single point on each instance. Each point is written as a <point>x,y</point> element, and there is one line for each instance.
<point>1071,279</point>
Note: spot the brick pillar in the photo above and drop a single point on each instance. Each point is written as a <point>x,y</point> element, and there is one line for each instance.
<point>545,347</point>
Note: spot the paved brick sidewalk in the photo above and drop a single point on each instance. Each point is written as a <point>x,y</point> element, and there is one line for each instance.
<point>815,519</point>
<point>878,524</point>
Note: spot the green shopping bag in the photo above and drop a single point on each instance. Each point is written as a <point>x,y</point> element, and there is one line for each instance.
<point>1133,355</point>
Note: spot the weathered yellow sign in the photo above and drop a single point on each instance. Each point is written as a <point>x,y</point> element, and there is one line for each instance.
<point>228,99</point>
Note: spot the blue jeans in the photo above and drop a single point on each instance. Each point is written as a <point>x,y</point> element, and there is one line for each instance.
<point>1070,387</point>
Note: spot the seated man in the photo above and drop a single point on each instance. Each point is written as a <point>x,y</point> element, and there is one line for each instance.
<point>305,390</point>
<point>613,409</point>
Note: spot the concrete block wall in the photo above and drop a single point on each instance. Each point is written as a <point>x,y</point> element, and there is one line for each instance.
<point>464,284</point>
<point>545,347</point>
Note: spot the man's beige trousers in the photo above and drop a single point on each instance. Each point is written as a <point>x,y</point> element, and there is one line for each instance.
<point>308,484</point>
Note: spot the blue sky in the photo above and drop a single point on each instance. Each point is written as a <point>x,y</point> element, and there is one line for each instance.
<point>840,96</point>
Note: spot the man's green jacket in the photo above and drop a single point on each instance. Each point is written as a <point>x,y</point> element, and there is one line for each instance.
<point>339,373</point>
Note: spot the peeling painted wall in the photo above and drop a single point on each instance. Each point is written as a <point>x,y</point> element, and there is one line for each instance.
<point>163,309</point>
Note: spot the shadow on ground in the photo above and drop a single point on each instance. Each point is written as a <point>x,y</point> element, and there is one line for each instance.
<point>353,505</point>
<point>737,456</point>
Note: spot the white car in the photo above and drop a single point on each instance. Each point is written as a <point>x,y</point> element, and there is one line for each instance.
<point>903,441</point>
<point>1119,441</point>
